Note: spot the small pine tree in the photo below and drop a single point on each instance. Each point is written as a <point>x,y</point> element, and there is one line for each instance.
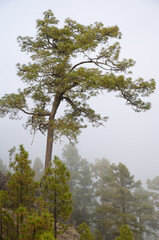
<point>85,233</point>
<point>125,233</point>
<point>21,185</point>
<point>97,235</point>
<point>56,191</point>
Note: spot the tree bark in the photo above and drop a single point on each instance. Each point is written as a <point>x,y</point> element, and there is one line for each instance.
<point>49,146</point>
<point>50,131</point>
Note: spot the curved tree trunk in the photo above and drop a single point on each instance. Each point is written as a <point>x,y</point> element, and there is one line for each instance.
<point>50,131</point>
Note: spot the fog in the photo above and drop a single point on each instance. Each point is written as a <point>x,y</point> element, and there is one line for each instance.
<point>127,137</point>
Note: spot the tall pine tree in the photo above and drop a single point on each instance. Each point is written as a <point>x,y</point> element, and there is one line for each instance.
<point>71,64</point>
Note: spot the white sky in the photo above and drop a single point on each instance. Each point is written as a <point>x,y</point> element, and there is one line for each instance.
<point>128,137</point>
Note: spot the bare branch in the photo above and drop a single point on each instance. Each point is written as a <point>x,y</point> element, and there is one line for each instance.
<point>72,104</point>
<point>52,44</point>
<point>32,113</point>
<point>95,61</point>
<point>80,63</point>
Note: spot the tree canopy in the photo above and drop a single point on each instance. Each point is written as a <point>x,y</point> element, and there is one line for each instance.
<point>71,64</point>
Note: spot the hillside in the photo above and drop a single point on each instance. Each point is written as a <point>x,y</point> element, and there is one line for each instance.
<point>70,234</point>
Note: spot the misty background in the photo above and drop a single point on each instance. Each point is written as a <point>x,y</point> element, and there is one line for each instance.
<point>127,137</point>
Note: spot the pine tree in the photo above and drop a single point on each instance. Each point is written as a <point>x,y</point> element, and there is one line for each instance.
<point>21,184</point>
<point>85,233</point>
<point>125,233</point>
<point>146,213</point>
<point>71,64</point>
<point>56,191</point>
<point>80,185</point>
<point>97,235</point>
<point>116,201</point>
<point>72,159</point>
<point>38,221</point>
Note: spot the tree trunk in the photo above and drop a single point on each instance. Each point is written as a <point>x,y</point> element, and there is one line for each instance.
<point>49,146</point>
<point>123,211</point>
<point>50,131</point>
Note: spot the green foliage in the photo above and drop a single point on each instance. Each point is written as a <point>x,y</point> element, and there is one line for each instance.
<point>153,184</point>
<point>56,74</point>
<point>72,160</point>
<point>56,192</point>
<point>83,194</point>
<point>3,198</point>
<point>99,169</point>
<point>97,235</point>
<point>36,221</point>
<point>116,201</point>
<point>7,226</point>
<point>105,196</point>
<point>80,185</point>
<point>125,233</point>
<point>153,216</point>
<point>21,185</point>
<point>145,212</point>
<point>37,226</point>
<point>85,233</point>
<point>47,236</point>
